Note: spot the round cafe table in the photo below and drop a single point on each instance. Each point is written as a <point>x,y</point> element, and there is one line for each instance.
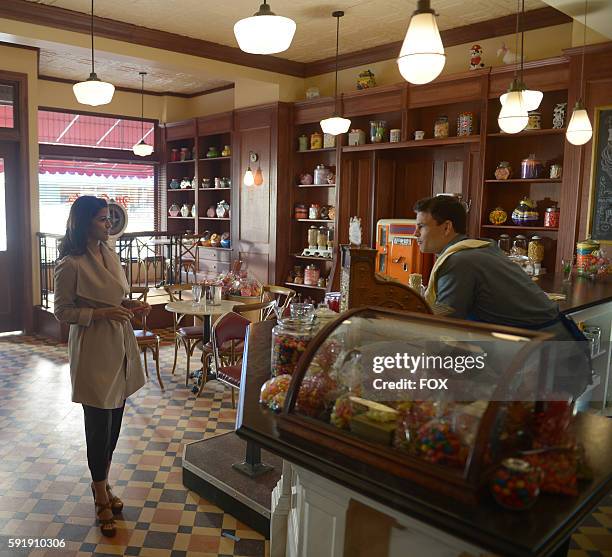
<point>206,312</point>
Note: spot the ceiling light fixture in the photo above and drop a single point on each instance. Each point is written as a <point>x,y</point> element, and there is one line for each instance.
<point>93,91</point>
<point>264,32</point>
<point>531,97</point>
<point>579,131</point>
<point>336,124</point>
<point>142,149</point>
<point>513,116</point>
<point>421,58</point>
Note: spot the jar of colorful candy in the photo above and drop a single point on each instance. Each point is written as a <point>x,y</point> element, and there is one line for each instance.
<point>516,484</point>
<point>289,340</point>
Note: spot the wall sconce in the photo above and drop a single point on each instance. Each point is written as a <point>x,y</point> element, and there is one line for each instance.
<point>251,179</point>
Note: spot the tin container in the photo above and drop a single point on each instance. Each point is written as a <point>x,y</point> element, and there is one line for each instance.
<point>465,124</point>
<point>316,140</point>
<point>535,121</point>
<point>395,135</point>
<point>314,211</point>
<point>301,211</point>
<point>356,137</point>
<point>441,127</point>
<point>584,255</point>
<point>303,142</point>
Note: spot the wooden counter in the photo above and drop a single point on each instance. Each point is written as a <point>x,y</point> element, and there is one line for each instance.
<point>580,293</point>
<point>538,532</point>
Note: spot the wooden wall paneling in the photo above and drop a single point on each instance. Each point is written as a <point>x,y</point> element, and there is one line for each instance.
<point>374,101</point>
<point>215,123</point>
<point>472,178</point>
<point>305,112</point>
<point>180,130</point>
<point>356,198</point>
<point>546,75</point>
<point>413,181</point>
<point>451,89</point>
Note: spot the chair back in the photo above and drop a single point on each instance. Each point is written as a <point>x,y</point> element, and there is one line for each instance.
<point>188,247</point>
<point>230,327</point>
<point>281,294</point>
<point>260,311</point>
<point>175,291</point>
<point>140,293</point>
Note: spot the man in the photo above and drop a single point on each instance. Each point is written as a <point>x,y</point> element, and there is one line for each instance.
<point>473,279</point>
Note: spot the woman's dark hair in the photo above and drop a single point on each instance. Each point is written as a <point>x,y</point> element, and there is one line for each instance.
<point>443,208</point>
<point>82,212</point>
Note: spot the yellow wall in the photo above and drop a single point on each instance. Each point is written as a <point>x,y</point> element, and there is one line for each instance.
<point>539,44</point>
<point>592,37</point>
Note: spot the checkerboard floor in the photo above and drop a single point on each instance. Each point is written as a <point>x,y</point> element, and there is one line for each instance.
<point>44,480</point>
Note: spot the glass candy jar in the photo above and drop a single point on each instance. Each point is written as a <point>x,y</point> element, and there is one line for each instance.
<point>289,341</point>
<point>515,484</point>
<point>311,275</point>
<point>441,127</point>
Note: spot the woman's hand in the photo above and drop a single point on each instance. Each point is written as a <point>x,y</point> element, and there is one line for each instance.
<point>117,313</point>
<point>142,308</point>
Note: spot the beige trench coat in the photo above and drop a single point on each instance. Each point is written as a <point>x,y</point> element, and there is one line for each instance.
<point>105,365</point>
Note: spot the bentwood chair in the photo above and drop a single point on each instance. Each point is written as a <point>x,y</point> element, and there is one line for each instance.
<point>281,294</point>
<point>188,258</point>
<point>260,311</point>
<point>228,334</point>
<point>147,340</point>
<point>188,336</point>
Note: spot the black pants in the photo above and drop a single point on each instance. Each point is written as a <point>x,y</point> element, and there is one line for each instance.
<point>102,428</point>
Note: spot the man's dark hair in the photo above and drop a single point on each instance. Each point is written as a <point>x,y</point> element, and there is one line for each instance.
<point>443,208</point>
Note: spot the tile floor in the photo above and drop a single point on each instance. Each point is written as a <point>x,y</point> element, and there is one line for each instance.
<point>44,480</point>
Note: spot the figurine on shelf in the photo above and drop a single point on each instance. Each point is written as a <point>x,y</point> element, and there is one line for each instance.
<point>507,56</point>
<point>227,151</point>
<point>366,80</point>
<point>212,153</point>
<point>559,115</point>
<point>174,184</point>
<point>225,240</point>
<point>215,240</point>
<point>355,231</point>
<point>185,183</point>
<point>223,209</point>
<point>185,210</point>
<point>476,57</point>
<point>503,171</point>
<point>174,210</point>
<point>205,241</point>
<point>306,179</point>
<point>194,211</point>
<point>526,213</point>
<point>312,93</point>
<point>211,212</point>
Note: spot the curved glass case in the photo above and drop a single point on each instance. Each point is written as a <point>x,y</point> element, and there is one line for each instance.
<point>436,401</point>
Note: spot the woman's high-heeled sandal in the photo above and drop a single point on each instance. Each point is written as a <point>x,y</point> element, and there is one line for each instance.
<point>107,525</point>
<point>115,503</point>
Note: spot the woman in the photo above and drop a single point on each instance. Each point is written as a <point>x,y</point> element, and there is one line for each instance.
<point>91,295</point>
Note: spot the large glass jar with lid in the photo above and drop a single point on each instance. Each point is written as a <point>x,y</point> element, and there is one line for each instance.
<point>289,341</point>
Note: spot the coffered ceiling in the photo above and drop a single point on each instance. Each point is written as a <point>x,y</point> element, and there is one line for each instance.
<point>367,23</point>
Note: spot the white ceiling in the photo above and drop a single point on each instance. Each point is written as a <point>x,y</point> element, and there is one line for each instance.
<point>367,23</point>
<point>599,16</point>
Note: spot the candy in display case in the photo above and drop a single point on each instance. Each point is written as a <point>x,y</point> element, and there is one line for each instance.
<point>438,402</point>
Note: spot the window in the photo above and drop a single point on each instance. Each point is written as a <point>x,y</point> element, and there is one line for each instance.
<point>7,106</point>
<point>98,132</point>
<point>3,243</point>
<point>62,181</point>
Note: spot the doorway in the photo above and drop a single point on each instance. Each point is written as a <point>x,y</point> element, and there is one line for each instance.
<point>11,230</point>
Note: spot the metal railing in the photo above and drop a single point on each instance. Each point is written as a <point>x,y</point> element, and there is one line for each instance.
<point>142,254</point>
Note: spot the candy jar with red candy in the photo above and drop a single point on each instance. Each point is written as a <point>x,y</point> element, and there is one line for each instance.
<point>516,484</point>
<point>314,394</point>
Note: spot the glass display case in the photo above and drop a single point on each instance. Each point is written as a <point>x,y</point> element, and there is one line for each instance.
<point>439,402</point>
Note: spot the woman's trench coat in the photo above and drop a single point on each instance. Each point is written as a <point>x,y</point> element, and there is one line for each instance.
<point>105,365</point>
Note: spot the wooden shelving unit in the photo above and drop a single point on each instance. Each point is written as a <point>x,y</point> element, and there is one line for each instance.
<point>424,143</point>
<point>548,146</point>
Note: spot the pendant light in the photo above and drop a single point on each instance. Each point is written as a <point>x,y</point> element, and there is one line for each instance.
<point>531,97</point>
<point>579,131</point>
<point>513,116</point>
<point>421,58</point>
<point>142,149</point>
<point>93,91</point>
<point>264,32</point>
<point>336,124</point>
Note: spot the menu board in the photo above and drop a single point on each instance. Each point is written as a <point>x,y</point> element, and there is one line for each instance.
<point>602,176</point>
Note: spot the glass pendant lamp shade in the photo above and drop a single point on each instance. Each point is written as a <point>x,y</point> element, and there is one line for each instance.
<point>513,116</point>
<point>531,98</point>
<point>421,58</point>
<point>264,32</point>
<point>142,149</point>
<point>335,125</point>
<point>579,131</point>
<point>93,92</point>
<point>249,179</point>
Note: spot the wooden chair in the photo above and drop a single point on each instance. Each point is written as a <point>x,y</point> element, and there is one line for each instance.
<point>147,340</point>
<point>265,310</point>
<point>188,336</point>
<point>188,258</point>
<point>228,334</point>
<point>281,294</point>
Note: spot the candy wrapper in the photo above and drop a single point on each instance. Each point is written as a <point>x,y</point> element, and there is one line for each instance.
<point>552,426</point>
<point>273,392</point>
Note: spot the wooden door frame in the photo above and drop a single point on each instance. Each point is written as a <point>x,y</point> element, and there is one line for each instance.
<point>20,135</point>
